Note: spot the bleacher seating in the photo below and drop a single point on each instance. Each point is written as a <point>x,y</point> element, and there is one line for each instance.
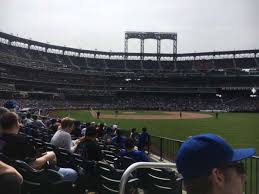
<point>104,179</point>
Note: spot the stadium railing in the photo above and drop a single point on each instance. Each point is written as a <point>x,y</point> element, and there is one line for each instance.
<point>252,171</point>
<point>165,148</point>
<point>141,165</point>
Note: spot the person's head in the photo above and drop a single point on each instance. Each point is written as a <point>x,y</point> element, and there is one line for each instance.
<point>53,121</point>
<point>90,132</point>
<point>67,124</point>
<point>144,129</point>
<point>28,115</point>
<point>129,144</point>
<point>3,110</point>
<point>9,123</point>
<point>118,132</point>
<point>10,104</point>
<point>210,166</point>
<point>34,117</point>
<point>133,130</point>
<point>109,130</point>
<point>77,124</point>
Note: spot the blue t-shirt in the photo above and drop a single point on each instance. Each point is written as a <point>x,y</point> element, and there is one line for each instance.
<point>137,155</point>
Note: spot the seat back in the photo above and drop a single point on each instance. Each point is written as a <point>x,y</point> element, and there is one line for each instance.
<point>64,158</point>
<point>161,181</point>
<point>109,179</point>
<point>109,156</point>
<point>125,162</point>
<point>41,181</point>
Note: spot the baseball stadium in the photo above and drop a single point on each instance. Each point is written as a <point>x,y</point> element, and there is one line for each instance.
<point>172,96</point>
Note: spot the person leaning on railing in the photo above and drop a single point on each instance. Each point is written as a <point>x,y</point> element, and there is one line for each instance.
<point>209,165</point>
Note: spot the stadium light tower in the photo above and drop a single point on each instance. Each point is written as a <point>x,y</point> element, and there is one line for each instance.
<point>158,36</point>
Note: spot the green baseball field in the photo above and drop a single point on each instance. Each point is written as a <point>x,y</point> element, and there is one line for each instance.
<point>240,129</point>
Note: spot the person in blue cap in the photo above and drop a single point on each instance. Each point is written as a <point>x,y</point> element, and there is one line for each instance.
<point>209,165</point>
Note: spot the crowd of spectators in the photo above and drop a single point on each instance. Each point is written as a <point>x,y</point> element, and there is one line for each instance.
<point>14,144</point>
<point>227,103</point>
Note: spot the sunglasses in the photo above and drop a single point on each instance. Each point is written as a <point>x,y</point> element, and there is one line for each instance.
<point>238,166</point>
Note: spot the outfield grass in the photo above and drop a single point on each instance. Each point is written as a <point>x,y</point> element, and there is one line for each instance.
<point>240,129</point>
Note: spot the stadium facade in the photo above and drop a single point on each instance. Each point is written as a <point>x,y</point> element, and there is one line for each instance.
<point>219,80</point>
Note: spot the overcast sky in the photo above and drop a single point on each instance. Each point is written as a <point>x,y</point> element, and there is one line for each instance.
<point>202,25</point>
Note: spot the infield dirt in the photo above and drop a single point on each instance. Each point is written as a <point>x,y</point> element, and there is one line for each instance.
<point>167,115</point>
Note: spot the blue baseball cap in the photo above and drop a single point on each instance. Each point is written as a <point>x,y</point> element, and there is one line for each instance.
<point>199,154</point>
<point>10,104</point>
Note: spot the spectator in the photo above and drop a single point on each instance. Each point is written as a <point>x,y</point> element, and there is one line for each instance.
<point>134,135</point>
<point>37,122</point>
<point>62,137</point>
<point>107,137</point>
<point>77,130</point>
<point>10,179</point>
<point>119,140</point>
<point>17,147</point>
<point>11,105</point>
<point>210,166</point>
<point>3,110</point>
<point>100,130</point>
<point>27,121</point>
<point>144,139</point>
<point>132,152</point>
<point>53,125</point>
<point>88,147</point>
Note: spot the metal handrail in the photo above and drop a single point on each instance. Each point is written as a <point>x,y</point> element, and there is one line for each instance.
<point>137,165</point>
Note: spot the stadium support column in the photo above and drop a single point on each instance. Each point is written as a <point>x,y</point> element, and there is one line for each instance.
<point>175,45</point>
<point>175,64</point>
<point>234,61</point>
<point>142,49</point>
<point>256,62</point>
<point>158,48</point>
<point>126,48</point>
<point>175,52</point>
<point>125,51</point>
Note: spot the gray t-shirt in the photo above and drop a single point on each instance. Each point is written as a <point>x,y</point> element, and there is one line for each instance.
<point>63,139</point>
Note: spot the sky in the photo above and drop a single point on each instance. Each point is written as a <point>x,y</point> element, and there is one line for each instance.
<point>201,25</point>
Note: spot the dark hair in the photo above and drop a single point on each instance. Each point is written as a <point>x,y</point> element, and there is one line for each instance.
<point>129,143</point>
<point>28,115</point>
<point>118,138</point>
<point>77,124</point>
<point>133,129</point>
<point>34,117</point>
<point>201,185</point>
<point>53,121</point>
<point>90,131</point>
<point>144,129</point>
<point>108,130</point>
<point>8,120</point>
<point>118,132</point>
